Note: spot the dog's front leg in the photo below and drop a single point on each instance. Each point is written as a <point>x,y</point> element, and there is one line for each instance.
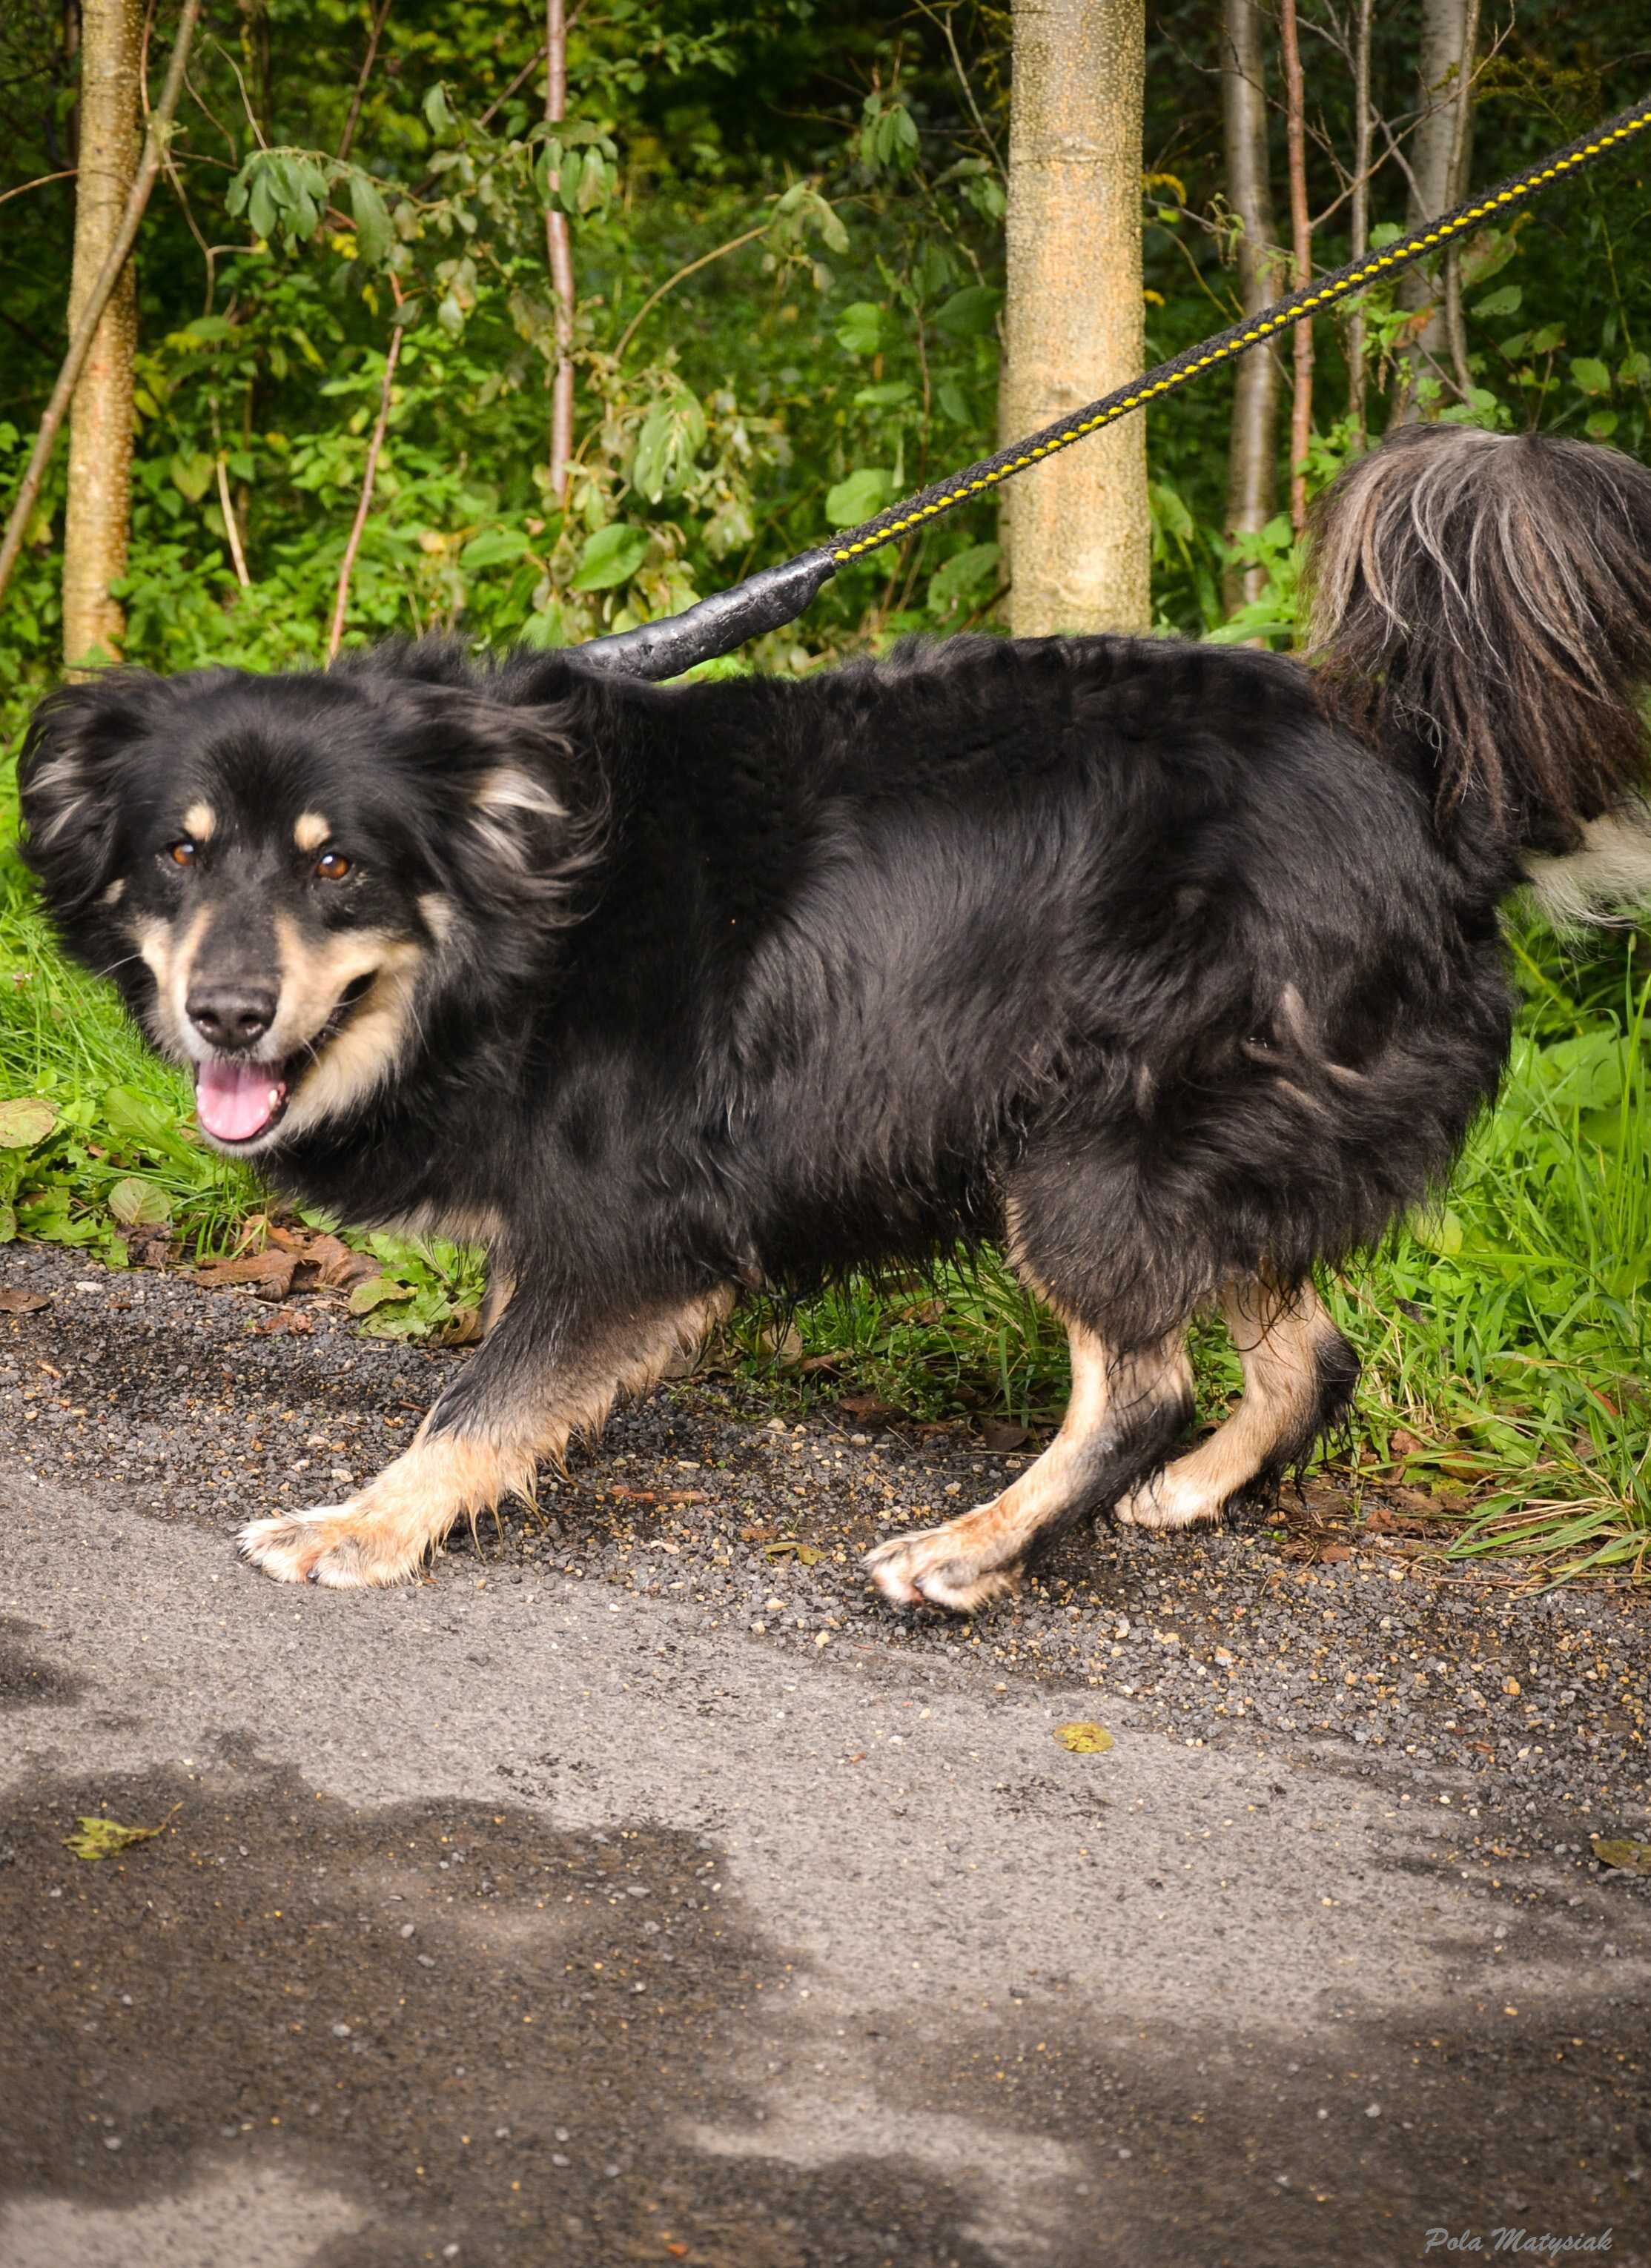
<point>540,1379</point>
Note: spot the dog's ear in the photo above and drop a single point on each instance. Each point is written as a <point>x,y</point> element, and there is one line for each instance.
<point>68,783</point>
<point>517,821</point>
<point>531,822</point>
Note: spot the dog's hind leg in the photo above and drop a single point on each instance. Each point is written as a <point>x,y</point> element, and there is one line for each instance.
<point>512,1406</point>
<point>1299,1377</point>
<point>1125,1411</point>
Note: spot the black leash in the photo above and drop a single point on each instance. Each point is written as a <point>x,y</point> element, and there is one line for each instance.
<point>777,595</point>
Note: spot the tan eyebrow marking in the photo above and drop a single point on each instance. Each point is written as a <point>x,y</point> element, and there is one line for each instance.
<point>311,830</point>
<point>199,821</point>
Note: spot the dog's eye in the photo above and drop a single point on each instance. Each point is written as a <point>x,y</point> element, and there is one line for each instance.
<point>332,866</point>
<point>182,853</point>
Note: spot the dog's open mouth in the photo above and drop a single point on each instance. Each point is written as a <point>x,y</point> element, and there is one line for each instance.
<point>238,1099</point>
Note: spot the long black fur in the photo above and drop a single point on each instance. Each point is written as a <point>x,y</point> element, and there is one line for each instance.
<point>1177,963</point>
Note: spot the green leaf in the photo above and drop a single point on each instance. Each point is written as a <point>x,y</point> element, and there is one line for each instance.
<point>864,493</point>
<point>1169,510</point>
<point>192,474</point>
<point>209,329</point>
<point>968,314</point>
<point>138,1203</point>
<point>436,110</point>
<point>1545,339</point>
<point>25,1121</point>
<point>611,558</point>
<point>8,1224</point>
<point>495,547</point>
<point>860,331</point>
<point>127,1112</point>
<point>672,436</point>
<point>262,210</point>
<point>373,230</point>
<point>595,180</point>
<point>888,395</point>
<point>1507,301</point>
<point>968,575</point>
<point>1600,425</point>
<point>1438,1232</point>
<point>107,1838</point>
<point>1590,375</point>
<point>377,1291</point>
<point>1635,368</point>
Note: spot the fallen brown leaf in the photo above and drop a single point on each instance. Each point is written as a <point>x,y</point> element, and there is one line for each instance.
<point>868,1409</point>
<point>267,1274</point>
<point>22,1303</point>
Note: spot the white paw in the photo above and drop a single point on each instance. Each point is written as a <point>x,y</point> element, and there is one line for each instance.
<point>1161,1501</point>
<point>334,1545</point>
<point>936,1566</point>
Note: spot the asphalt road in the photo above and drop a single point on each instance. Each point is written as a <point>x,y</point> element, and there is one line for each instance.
<point>637,1889</point>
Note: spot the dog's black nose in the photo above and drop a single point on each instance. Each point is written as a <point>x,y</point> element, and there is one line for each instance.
<point>232,1015</point>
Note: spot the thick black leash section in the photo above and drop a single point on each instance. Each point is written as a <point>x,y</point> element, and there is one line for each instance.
<point>777,595</point>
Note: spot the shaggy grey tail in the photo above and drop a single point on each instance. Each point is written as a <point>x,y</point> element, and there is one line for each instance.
<point>1483,599</point>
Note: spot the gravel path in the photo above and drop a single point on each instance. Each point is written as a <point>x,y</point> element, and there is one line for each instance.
<point>1315,1958</point>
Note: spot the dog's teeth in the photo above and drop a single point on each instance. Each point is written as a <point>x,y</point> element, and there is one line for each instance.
<point>274,1098</point>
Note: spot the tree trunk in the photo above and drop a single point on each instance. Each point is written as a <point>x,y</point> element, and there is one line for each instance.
<point>559,254</point>
<point>1359,234</point>
<point>1302,253</point>
<point>1077,527</point>
<point>1252,469</point>
<point>98,516</point>
<point>1440,155</point>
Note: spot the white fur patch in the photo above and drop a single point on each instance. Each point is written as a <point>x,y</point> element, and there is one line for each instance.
<point>507,789</point>
<point>501,793</point>
<point>115,891</point>
<point>1608,880</point>
<point>199,822</point>
<point>61,778</point>
<point>310,830</point>
<point>439,914</point>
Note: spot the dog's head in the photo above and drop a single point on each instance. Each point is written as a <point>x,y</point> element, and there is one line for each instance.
<point>280,872</point>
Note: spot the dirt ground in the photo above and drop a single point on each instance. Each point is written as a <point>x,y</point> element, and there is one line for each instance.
<point>639,1888</point>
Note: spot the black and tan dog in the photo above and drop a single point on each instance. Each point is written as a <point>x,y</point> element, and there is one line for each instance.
<point>1175,968</point>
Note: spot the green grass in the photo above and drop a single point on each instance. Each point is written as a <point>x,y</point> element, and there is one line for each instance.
<point>1504,1337</point>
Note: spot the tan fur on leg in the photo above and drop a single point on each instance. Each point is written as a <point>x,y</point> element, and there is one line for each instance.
<point>1278,1335</point>
<point>978,1557</point>
<point>383,1535</point>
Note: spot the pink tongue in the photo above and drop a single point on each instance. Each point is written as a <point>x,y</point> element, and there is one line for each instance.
<point>232,1099</point>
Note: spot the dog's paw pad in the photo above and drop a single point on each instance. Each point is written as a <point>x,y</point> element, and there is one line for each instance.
<point>930,1568</point>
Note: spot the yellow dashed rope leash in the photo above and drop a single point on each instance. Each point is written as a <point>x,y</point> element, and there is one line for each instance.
<point>777,595</point>
<point>1169,377</point>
